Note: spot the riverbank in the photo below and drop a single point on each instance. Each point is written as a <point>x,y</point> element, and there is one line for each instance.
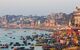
<point>50,30</point>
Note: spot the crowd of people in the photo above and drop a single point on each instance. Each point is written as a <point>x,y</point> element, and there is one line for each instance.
<point>64,39</point>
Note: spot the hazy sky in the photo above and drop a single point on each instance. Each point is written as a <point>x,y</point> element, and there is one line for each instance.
<point>36,7</point>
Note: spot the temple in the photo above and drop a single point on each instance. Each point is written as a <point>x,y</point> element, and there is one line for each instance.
<point>76,17</point>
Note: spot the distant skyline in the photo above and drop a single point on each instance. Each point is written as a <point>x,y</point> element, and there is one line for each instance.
<point>37,7</point>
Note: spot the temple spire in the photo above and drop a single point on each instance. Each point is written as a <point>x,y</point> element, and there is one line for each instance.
<point>78,8</point>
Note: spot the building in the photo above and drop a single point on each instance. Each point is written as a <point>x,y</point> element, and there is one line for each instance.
<point>76,17</point>
<point>49,22</point>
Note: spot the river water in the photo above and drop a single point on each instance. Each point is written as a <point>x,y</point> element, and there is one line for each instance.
<point>8,35</point>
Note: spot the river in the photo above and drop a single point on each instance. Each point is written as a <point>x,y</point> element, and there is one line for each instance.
<point>8,35</point>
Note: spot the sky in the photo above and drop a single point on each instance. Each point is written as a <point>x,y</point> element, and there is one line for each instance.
<point>37,7</point>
